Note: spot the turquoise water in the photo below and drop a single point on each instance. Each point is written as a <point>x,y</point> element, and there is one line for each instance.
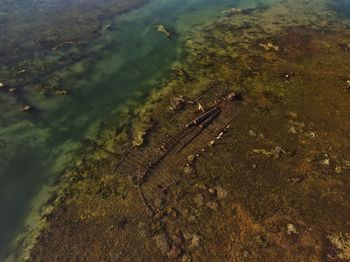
<point>124,66</point>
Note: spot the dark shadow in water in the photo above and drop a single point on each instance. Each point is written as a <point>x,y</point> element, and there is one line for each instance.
<point>342,7</point>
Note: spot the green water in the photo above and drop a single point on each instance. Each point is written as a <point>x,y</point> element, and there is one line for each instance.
<point>124,65</point>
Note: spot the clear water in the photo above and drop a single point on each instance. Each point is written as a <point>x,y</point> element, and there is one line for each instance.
<point>35,148</point>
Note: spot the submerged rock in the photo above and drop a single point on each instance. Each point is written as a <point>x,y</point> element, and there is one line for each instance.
<point>62,92</point>
<point>234,96</point>
<point>252,132</point>
<point>325,162</point>
<point>12,90</point>
<point>26,108</point>
<point>278,151</point>
<point>162,29</point>
<point>187,170</point>
<point>292,130</point>
<point>139,138</point>
<point>291,229</point>
<point>270,47</point>
<point>291,114</point>
<point>232,11</point>
<point>263,152</point>
<point>347,86</point>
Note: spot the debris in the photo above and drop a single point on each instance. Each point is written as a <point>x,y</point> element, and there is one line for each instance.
<point>202,117</point>
<point>246,254</point>
<point>139,138</point>
<point>195,241</point>
<point>202,121</point>
<point>22,71</point>
<point>312,134</point>
<point>292,114</point>
<point>212,191</point>
<point>26,108</point>
<point>253,70</point>
<point>278,151</point>
<point>187,169</point>
<point>219,135</point>
<point>263,152</point>
<point>270,47</point>
<point>232,11</point>
<point>12,90</point>
<point>162,29</point>
<point>291,229</point>
<point>292,130</point>
<point>177,103</point>
<point>346,163</point>
<point>347,84</point>
<point>108,27</point>
<point>191,158</point>
<point>61,92</point>
<point>232,96</point>
<point>325,162</point>
<point>200,107</point>
<point>338,169</point>
<point>294,181</point>
<point>185,258</point>
<point>201,186</point>
<point>1,85</point>
<point>251,132</point>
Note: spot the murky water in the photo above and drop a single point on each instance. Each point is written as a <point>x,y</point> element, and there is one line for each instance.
<point>342,7</point>
<point>119,69</point>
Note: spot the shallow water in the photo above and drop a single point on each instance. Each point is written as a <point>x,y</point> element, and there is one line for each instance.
<point>342,7</point>
<point>124,65</point>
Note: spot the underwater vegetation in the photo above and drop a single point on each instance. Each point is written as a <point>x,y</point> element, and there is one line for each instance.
<point>241,154</point>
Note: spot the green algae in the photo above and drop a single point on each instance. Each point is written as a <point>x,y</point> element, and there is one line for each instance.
<point>262,204</point>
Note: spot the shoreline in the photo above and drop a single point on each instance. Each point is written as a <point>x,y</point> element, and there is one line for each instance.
<point>268,93</point>
<point>39,209</point>
<point>39,206</point>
